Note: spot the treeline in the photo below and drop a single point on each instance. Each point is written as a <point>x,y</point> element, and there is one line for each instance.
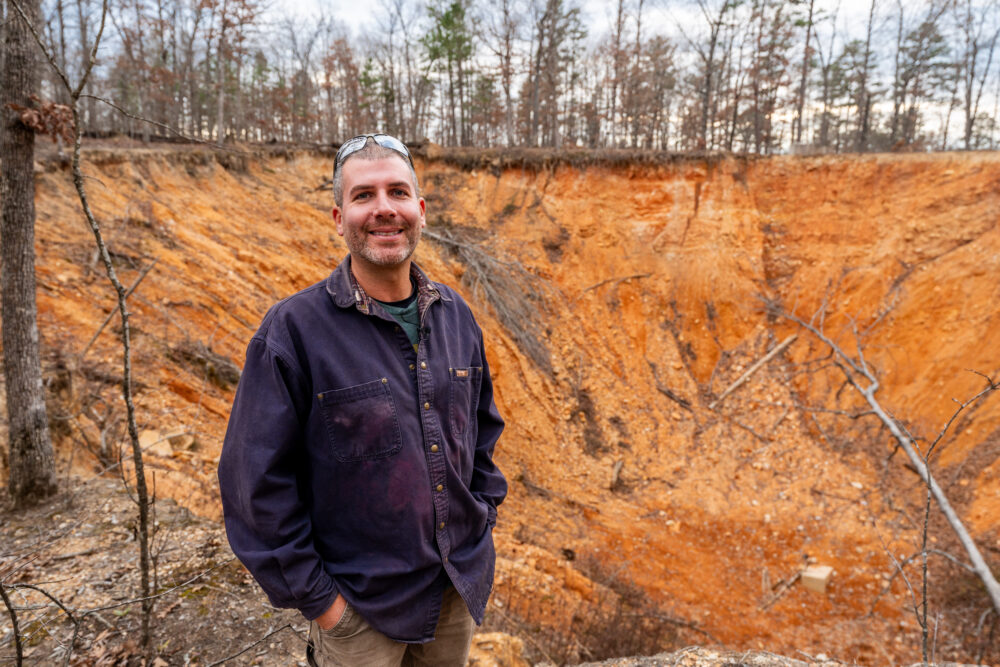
<point>760,76</point>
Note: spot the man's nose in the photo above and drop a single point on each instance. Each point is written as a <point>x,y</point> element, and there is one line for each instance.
<point>384,206</point>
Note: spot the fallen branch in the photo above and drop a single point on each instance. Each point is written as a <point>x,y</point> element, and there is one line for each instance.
<point>247,648</point>
<point>616,281</point>
<point>906,561</point>
<point>111,314</point>
<point>667,391</point>
<point>690,625</point>
<point>782,587</point>
<point>616,472</point>
<point>753,369</point>
<point>855,371</point>
<point>515,294</point>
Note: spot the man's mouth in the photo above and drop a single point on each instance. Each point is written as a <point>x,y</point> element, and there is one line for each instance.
<point>385,232</point>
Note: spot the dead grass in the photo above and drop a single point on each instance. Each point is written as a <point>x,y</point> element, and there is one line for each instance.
<point>519,298</point>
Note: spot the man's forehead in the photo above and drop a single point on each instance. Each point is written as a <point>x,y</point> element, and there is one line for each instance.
<point>368,173</point>
<point>362,164</point>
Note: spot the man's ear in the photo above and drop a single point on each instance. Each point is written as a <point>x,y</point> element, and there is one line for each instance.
<point>338,220</point>
<point>423,212</point>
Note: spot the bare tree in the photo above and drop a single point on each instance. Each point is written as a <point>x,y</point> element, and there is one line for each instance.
<point>827,75</point>
<point>617,69</point>
<point>716,18</point>
<point>503,27</point>
<point>920,59</point>
<point>864,95</point>
<point>800,102</point>
<point>980,29</point>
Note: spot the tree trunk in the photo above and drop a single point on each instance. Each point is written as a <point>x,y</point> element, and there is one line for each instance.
<point>864,101</point>
<point>801,101</point>
<point>91,109</point>
<point>32,471</point>
<point>220,82</point>
<point>616,73</point>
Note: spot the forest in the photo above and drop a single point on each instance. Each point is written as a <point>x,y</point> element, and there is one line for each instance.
<point>753,76</point>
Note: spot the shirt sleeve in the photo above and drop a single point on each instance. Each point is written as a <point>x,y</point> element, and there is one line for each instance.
<point>268,525</point>
<point>488,484</point>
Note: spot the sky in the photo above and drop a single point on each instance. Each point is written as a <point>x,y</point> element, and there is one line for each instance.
<point>660,16</point>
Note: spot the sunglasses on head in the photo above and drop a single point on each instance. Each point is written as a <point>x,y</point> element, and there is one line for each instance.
<point>355,144</point>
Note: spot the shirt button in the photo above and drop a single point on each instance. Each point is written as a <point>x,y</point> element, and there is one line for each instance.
<point>446,559</point>
<point>441,525</point>
<point>434,448</point>
<point>423,364</point>
<point>412,367</point>
<point>440,487</point>
<point>427,406</point>
<point>385,380</point>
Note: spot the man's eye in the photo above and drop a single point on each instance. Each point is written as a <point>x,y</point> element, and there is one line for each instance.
<point>362,195</point>
<point>401,192</point>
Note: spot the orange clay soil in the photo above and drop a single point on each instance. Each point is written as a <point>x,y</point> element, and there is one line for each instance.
<point>649,303</point>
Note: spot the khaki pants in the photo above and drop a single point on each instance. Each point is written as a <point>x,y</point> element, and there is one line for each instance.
<point>354,643</point>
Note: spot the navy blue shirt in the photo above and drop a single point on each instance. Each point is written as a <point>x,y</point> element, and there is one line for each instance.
<point>354,464</point>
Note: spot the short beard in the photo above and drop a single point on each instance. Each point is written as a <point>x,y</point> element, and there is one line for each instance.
<point>357,245</point>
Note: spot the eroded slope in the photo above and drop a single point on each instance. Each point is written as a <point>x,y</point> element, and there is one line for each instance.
<point>647,286</point>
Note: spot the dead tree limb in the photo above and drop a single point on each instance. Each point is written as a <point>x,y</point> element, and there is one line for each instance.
<point>864,381</point>
<point>111,314</point>
<point>667,391</point>
<point>260,641</point>
<point>616,281</point>
<point>19,650</point>
<point>753,369</point>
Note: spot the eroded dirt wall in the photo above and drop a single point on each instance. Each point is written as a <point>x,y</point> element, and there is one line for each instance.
<point>647,292</point>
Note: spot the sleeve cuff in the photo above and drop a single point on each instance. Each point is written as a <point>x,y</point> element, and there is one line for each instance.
<point>314,610</point>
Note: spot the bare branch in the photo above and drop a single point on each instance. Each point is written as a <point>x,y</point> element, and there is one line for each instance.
<point>54,599</point>
<point>107,319</point>
<point>616,281</point>
<point>13,619</point>
<point>92,58</point>
<point>163,126</point>
<point>907,443</point>
<point>778,349</point>
<point>247,648</point>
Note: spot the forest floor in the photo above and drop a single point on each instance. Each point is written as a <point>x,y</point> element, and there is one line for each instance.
<point>80,548</point>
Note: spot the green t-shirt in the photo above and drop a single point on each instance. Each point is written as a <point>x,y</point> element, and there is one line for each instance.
<point>405,312</point>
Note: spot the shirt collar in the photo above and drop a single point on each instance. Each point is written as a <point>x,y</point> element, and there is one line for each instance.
<point>345,291</point>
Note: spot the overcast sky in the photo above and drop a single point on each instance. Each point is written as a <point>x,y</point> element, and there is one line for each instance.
<point>659,16</point>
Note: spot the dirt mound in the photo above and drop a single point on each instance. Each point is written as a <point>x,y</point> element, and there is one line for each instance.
<point>631,499</point>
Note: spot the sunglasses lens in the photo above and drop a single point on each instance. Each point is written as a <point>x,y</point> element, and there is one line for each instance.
<point>387,141</point>
<point>355,144</point>
<point>351,146</point>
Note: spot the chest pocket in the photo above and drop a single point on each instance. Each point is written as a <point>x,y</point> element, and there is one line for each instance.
<point>465,384</point>
<point>361,421</point>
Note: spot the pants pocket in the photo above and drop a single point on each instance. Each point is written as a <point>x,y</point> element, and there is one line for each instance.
<point>347,626</point>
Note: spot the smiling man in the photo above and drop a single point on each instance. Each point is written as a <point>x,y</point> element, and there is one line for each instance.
<point>357,473</point>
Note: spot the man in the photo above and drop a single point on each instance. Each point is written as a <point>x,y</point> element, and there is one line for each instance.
<point>357,474</point>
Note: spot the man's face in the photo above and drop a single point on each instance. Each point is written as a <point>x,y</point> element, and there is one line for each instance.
<point>381,215</point>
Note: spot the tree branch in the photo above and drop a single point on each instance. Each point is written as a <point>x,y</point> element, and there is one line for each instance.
<point>906,443</point>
